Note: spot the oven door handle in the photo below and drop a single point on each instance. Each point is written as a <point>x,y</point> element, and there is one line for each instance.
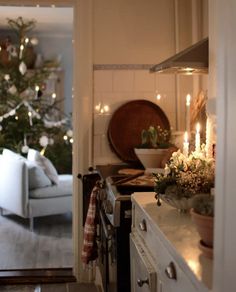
<point>108,232</point>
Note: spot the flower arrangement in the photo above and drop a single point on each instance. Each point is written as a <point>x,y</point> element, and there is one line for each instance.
<point>186,176</point>
<point>155,137</point>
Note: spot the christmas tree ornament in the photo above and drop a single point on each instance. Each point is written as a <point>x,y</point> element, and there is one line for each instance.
<point>25,149</point>
<point>22,68</point>
<point>34,41</point>
<point>69,133</point>
<point>7,77</point>
<point>20,90</point>
<point>12,89</point>
<point>43,141</point>
<point>51,141</point>
<point>12,52</point>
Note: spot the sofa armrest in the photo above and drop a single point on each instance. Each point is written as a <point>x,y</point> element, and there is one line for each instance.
<point>14,186</point>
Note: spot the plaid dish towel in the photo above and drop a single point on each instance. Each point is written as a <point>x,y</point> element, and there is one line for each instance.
<point>89,250</point>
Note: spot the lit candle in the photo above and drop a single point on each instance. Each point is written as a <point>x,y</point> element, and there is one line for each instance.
<point>209,143</point>
<point>21,51</point>
<point>186,144</point>
<point>188,99</point>
<point>197,138</point>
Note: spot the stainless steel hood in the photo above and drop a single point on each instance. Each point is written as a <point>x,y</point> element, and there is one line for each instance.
<point>193,60</point>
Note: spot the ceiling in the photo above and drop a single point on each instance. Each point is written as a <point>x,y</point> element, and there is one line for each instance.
<point>56,20</point>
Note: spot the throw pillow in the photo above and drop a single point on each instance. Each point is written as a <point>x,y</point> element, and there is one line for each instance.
<point>36,175</point>
<point>45,163</point>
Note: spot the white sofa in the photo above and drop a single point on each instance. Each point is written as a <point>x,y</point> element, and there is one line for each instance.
<point>17,197</point>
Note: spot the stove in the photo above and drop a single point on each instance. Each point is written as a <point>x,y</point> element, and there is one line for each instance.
<point>115,221</point>
<point>118,191</point>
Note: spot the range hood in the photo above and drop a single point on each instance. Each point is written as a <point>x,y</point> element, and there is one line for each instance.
<point>193,60</point>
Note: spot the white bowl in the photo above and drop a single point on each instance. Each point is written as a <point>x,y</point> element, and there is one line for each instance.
<point>150,158</point>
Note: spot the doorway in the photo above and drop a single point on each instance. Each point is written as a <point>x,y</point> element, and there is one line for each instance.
<point>25,264</point>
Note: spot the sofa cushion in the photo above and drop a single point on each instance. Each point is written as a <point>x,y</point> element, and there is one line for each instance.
<point>63,188</point>
<point>36,175</point>
<point>45,163</point>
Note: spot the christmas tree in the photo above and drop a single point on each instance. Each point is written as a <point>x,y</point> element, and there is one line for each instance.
<point>29,118</point>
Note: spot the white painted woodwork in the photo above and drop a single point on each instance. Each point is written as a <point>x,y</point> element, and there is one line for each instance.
<point>222,32</point>
<point>170,236</point>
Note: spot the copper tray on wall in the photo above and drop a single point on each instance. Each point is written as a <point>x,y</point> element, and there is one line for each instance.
<point>127,122</point>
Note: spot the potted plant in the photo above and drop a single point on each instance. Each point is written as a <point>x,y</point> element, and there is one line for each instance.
<point>183,178</point>
<point>155,145</point>
<point>202,213</point>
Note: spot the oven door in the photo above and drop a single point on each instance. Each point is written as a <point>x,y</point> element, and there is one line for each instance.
<point>106,253</point>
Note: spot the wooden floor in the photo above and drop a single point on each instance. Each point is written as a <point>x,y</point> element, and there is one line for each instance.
<point>49,246</point>
<point>70,287</point>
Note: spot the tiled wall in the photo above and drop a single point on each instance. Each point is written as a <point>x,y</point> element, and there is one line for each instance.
<point>115,87</point>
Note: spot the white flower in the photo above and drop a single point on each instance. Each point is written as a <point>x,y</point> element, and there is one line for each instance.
<point>166,170</point>
<point>43,141</point>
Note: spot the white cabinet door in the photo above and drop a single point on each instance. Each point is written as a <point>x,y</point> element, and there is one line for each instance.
<point>143,274</point>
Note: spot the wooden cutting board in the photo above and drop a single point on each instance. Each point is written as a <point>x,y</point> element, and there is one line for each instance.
<point>127,122</point>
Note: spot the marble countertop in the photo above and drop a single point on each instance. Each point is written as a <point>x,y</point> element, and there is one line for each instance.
<point>179,235</point>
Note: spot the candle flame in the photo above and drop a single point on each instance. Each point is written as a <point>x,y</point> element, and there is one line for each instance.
<point>185,137</point>
<point>188,99</point>
<point>198,127</point>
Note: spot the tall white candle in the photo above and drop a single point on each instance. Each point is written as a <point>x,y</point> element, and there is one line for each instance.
<point>188,100</point>
<point>185,144</point>
<point>197,138</point>
<point>209,137</point>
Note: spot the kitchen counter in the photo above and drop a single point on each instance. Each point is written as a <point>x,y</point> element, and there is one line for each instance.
<point>178,233</point>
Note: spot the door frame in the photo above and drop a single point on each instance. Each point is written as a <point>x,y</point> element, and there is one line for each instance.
<point>82,108</point>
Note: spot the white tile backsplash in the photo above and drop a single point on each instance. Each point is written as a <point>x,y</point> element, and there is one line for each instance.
<point>103,80</point>
<point>116,87</point>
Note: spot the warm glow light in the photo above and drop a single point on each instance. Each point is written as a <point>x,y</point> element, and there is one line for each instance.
<point>71,140</point>
<point>106,108</point>
<point>0,48</point>
<point>158,96</point>
<point>54,95</point>
<point>29,114</point>
<point>188,99</point>
<point>198,127</point>
<point>16,117</point>
<point>21,47</point>
<point>185,137</point>
<point>97,107</point>
<point>26,40</point>
<point>36,87</point>
<point>65,137</point>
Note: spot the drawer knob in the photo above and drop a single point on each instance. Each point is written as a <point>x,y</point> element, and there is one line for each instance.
<point>143,225</point>
<point>171,271</point>
<point>142,282</point>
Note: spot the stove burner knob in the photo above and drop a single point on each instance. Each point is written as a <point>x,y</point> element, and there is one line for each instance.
<point>108,207</point>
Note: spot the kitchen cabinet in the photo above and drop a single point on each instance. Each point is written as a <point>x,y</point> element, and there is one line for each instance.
<point>164,249</point>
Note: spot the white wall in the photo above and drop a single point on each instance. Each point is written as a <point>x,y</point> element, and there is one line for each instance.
<point>56,45</point>
<point>133,31</point>
<point>127,35</point>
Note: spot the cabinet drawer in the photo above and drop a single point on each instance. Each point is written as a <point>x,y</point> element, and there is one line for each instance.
<point>143,274</point>
<point>170,273</point>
